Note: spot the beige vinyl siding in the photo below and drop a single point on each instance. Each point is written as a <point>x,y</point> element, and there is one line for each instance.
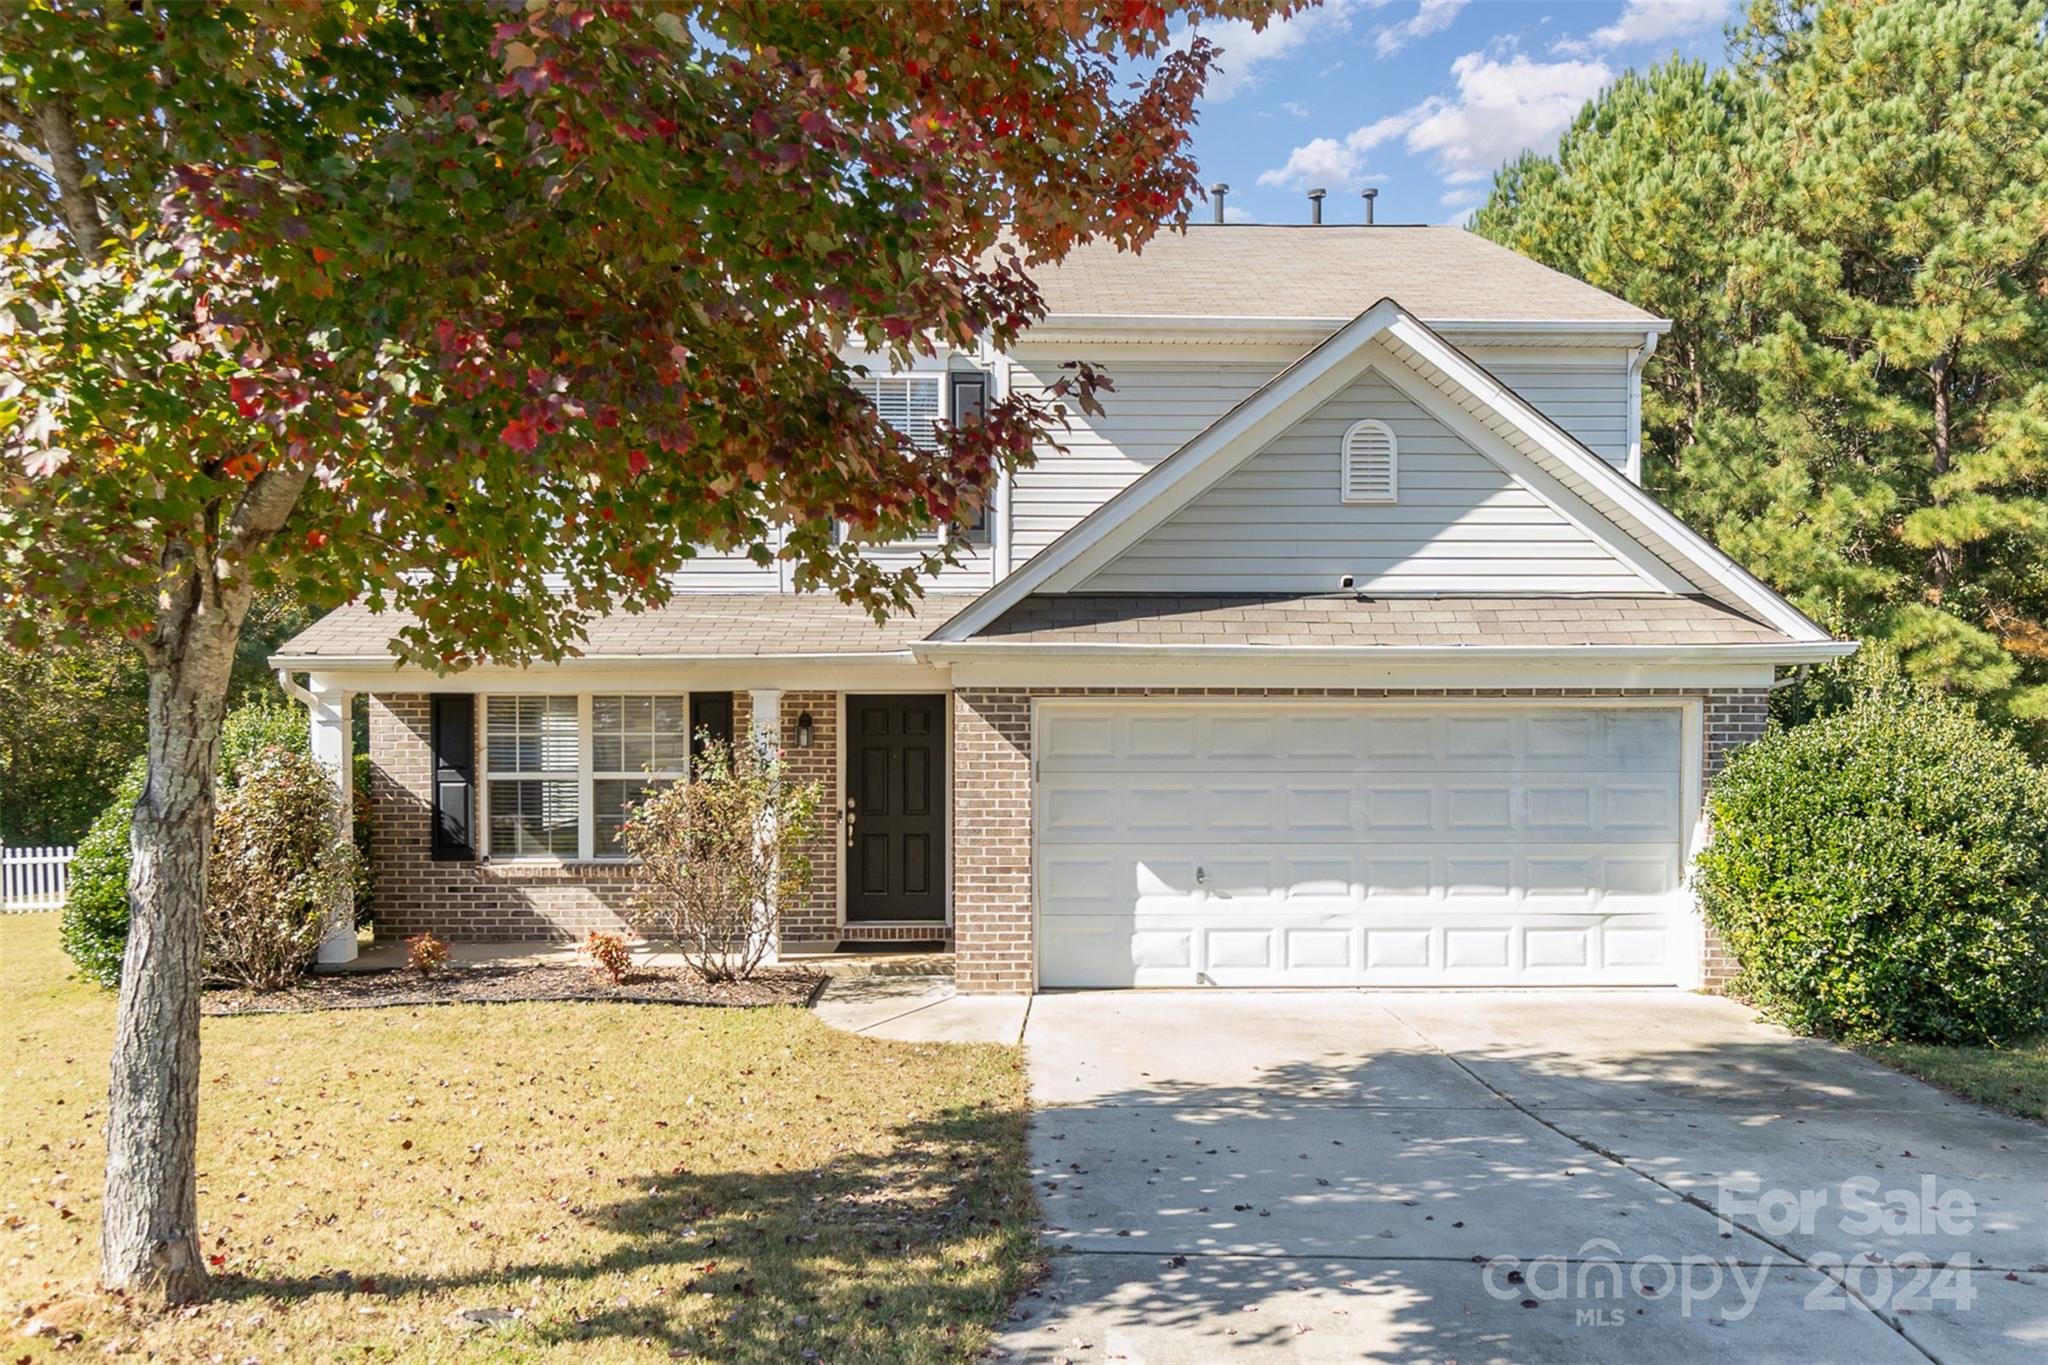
<point>1277,522</point>
<point>1585,391</point>
<point>1156,407</point>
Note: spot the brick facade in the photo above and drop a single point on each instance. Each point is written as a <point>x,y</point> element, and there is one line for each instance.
<point>513,900</point>
<point>992,804</point>
<point>991,833</point>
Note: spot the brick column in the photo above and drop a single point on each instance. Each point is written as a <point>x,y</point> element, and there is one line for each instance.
<point>814,917</point>
<point>992,952</point>
<point>1731,717</point>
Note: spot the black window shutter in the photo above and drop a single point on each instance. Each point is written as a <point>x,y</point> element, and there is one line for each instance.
<point>710,714</point>
<point>970,397</point>
<point>970,405</point>
<point>452,723</point>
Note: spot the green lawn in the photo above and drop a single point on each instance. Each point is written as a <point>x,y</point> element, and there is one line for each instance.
<point>636,1182</point>
<point>2014,1079</point>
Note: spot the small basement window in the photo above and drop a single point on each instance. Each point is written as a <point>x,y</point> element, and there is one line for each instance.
<point>1370,460</point>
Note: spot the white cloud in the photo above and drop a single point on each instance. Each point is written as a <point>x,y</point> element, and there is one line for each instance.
<point>1335,164</point>
<point>1294,107</point>
<point>1502,109</point>
<point>1324,162</point>
<point>1233,214</point>
<point>1245,50</point>
<point>1651,21</point>
<point>1469,197</point>
<point>1431,16</point>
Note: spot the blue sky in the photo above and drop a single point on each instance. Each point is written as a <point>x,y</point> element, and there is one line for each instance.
<point>1421,98</point>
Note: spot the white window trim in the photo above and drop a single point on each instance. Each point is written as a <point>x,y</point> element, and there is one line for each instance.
<point>1344,457</point>
<point>587,817</point>
<point>585,777</point>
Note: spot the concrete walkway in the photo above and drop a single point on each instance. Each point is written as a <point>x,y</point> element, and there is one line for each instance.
<point>1512,1176</point>
<point>919,1008</point>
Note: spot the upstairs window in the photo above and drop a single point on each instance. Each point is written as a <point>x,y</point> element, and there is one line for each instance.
<point>1371,459</point>
<point>907,402</point>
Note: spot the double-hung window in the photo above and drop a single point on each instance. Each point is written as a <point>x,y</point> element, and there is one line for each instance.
<point>561,773</point>
<point>907,402</point>
<point>637,745</point>
<point>532,776</point>
<point>913,403</point>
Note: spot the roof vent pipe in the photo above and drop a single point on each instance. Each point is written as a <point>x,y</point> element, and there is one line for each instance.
<point>1369,195</point>
<point>1315,206</point>
<point>1216,192</point>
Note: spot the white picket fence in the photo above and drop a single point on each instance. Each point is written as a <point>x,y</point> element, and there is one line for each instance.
<point>34,878</point>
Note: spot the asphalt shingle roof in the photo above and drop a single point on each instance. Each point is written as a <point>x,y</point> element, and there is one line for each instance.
<point>1438,274</point>
<point>692,625</point>
<point>739,625</point>
<point>1344,619</point>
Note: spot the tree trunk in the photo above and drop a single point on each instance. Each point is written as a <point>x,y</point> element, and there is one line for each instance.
<point>149,1240</point>
<point>1944,559</point>
<point>149,1235</point>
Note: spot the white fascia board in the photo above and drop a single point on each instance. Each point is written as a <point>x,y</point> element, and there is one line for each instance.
<point>1712,565</point>
<point>1138,506</point>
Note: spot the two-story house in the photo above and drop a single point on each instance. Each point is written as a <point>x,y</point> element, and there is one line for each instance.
<point>1344,649</point>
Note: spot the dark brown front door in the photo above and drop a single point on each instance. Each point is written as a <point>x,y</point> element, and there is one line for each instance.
<point>896,808</point>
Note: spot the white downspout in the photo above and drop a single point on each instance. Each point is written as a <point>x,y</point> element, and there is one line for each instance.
<point>1637,358</point>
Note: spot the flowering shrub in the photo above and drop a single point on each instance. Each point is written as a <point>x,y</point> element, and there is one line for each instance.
<point>719,853</point>
<point>608,955</point>
<point>279,872</point>
<point>426,955</point>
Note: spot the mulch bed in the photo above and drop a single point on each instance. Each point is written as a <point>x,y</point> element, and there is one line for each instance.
<point>505,985</point>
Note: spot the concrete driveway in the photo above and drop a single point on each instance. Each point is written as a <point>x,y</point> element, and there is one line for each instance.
<point>1525,1176</point>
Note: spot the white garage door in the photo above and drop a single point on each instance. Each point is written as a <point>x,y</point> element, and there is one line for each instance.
<point>1301,844</point>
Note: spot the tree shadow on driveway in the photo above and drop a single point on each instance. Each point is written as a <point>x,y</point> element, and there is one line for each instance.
<point>1252,1198</point>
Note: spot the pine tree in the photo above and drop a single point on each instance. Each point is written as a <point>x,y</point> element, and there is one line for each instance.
<point>1850,232</point>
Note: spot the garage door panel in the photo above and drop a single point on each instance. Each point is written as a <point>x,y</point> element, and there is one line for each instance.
<point>1526,846</point>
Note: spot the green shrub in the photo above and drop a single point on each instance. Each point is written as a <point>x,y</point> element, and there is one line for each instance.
<point>94,926</point>
<point>277,871</point>
<point>1881,873</point>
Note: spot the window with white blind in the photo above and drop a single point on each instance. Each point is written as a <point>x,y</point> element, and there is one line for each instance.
<point>908,402</point>
<point>561,773</point>
<point>532,776</point>
<point>637,745</point>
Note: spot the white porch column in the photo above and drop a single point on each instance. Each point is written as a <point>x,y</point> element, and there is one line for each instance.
<point>767,722</point>
<point>766,726</point>
<point>334,748</point>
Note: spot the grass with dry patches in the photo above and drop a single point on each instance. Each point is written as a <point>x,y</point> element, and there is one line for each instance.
<point>633,1182</point>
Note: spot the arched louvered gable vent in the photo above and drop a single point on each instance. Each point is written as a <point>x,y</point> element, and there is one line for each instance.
<point>1370,459</point>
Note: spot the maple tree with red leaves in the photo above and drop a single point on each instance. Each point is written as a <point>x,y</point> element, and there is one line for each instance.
<point>493,314</point>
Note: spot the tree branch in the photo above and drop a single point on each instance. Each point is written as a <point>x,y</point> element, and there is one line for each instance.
<point>81,211</point>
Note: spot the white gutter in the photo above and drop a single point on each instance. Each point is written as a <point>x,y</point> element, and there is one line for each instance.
<point>1638,358</point>
<point>293,690</point>
<point>1792,651</point>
